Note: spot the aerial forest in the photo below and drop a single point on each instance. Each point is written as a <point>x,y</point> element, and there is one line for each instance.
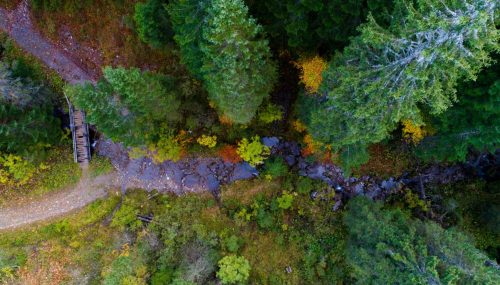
<point>249,142</point>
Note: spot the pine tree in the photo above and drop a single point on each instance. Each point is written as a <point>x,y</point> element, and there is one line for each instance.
<point>129,106</point>
<point>472,123</point>
<point>237,67</point>
<point>28,126</point>
<point>388,75</point>
<point>221,45</point>
<point>188,20</point>
<point>153,23</point>
<point>15,90</point>
<point>308,25</point>
<point>388,247</point>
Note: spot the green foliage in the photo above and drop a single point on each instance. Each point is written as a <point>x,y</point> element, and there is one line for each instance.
<point>387,75</point>
<point>253,152</point>
<point>270,113</point>
<point>285,201</point>
<point>167,148</point>
<point>129,268</point>
<point>472,123</point>
<point>276,167</point>
<point>353,156</point>
<point>14,170</point>
<point>130,106</point>
<point>187,18</point>
<point>232,243</point>
<point>387,247</point>
<point>100,165</point>
<point>28,126</point>
<point>133,204</point>
<point>233,269</point>
<point>304,185</point>
<point>28,132</point>
<point>237,71</point>
<point>153,23</point>
<point>319,24</point>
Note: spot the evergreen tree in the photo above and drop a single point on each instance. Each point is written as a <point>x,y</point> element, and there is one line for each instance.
<point>472,123</point>
<point>153,23</point>
<point>387,247</point>
<point>28,126</point>
<point>16,90</point>
<point>387,75</point>
<point>310,24</point>
<point>221,45</point>
<point>188,20</point>
<point>28,131</point>
<point>237,67</point>
<point>129,106</point>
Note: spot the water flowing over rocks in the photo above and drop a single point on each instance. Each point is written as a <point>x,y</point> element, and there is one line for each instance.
<point>207,174</point>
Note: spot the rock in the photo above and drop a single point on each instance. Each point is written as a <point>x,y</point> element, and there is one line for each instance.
<point>243,171</point>
<point>290,160</point>
<point>202,168</point>
<point>191,181</point>
<point>213,183</point>
<point>337,205</point>
<point>316,172</point>
<point>313,195</point>
<point>270,141</point>
<point>358,188</point>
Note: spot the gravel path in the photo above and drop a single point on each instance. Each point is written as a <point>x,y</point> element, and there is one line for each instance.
<point>18,25</point>
<point>57,204</point>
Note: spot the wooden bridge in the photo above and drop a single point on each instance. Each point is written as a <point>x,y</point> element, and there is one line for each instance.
<point>17,24</point>
<point>80,134</point>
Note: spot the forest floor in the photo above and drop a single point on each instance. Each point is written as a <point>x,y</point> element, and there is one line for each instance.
<point>89,189</point>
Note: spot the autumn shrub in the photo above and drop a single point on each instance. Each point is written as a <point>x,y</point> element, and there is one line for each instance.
<point>413,133</point>
<point>312,72</point>
<point>254,152</point>
<point>233,269</point>
<point>208,141</point>
<point>14,170</point>
<point>229,153</point>
<point>167,148</point>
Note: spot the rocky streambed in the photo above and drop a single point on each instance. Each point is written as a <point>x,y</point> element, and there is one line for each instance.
<point>208,174</point>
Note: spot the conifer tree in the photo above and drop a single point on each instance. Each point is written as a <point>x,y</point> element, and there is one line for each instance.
<point>388,75</point>
<point>387,247</point>
<point>222,45</point>
<point>129,106</point>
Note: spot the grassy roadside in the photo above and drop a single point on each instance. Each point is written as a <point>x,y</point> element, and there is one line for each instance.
<point>68,249</point>
<point>58,173</point>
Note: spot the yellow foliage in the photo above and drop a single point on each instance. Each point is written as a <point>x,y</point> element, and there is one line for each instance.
<point>208,141</point>
<point>312,72</point>
<point>311,145</point>
<point>412,132</point>
<point>298,126</point>
<point>14,170</point>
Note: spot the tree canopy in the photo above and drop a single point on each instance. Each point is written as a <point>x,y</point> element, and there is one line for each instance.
<point>223,46</point>
<point>128,105</point>
<point>28,125</point>
<point>472,123</point>
<point>387,247</point>
<point>387,75</point>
